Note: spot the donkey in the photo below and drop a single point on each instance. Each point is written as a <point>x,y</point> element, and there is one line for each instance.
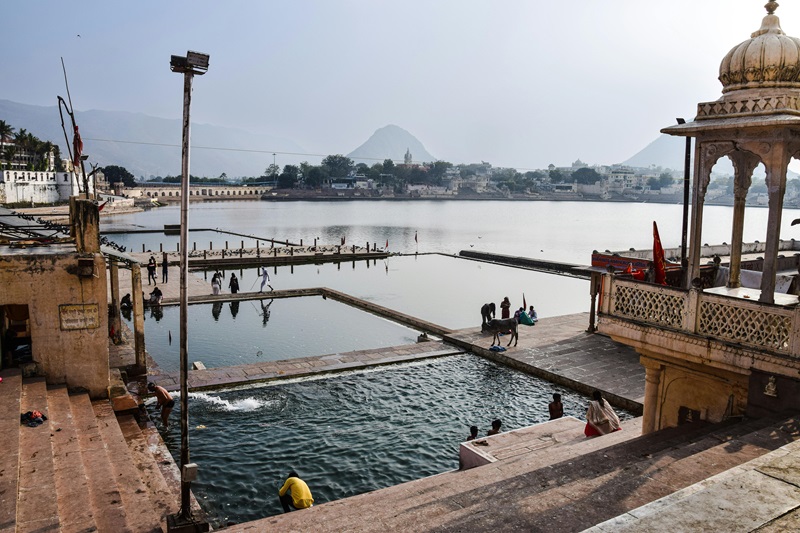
<point>496,326</point>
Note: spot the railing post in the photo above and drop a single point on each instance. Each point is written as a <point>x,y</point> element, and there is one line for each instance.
<point>692,310</point>
<point>606,290</point>
<point>794,342</point>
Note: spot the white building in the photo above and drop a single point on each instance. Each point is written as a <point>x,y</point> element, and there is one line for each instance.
<point>25,186</point>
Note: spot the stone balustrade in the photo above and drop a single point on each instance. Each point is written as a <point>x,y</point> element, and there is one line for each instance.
<point>744,322</point>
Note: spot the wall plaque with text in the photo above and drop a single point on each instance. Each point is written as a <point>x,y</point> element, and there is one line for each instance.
<point>79,316</point>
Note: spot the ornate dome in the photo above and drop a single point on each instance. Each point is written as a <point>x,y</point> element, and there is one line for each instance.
<point>770,58</point>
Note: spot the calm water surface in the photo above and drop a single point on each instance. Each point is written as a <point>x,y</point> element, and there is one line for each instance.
<point>351,434</point>
<point>237,333</point>
<point>441,289</point>
<point>561,231</point>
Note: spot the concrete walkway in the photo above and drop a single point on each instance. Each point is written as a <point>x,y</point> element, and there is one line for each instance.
<point>212,378</point>
<point>560,350</point>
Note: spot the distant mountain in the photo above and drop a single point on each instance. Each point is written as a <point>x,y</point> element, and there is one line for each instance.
<point>666,151</point>
<point>390,142</point>
<point>141,143</point>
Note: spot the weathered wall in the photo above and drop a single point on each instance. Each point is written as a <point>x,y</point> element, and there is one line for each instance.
<point>68,348</point>
<point>37,187</point>
<point>707,393</point>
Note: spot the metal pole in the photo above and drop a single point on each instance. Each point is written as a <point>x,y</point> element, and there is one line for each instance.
<point>684,230</point>
<point>186,511</point>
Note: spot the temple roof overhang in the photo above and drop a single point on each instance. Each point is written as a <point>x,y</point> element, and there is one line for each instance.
<point>720,125</point>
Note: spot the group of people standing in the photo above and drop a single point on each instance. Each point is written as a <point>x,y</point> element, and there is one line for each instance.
<point>152,268</point>
<point>233,282</point>
<point>529,317</point>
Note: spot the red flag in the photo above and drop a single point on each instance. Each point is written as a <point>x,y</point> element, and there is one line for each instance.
<point>524,303</point>
<point>659,264</point>
<point>77,147</point>
<point>387,244</point>
<point>416,240</point>
<point>101,206</point>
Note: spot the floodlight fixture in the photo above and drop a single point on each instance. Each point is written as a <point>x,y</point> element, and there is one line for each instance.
<point>192,63</point>
<point>681,121</point>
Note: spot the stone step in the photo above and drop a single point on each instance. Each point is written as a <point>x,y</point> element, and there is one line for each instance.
<point>141,516</point>
<point>104,495</point>
<point>71,484</point>
<point>606,484</point>
<point>10,428</point>
<point>722,498</point>
<point>585,485</point>
<point>36,507</point>
<point>163,501</point>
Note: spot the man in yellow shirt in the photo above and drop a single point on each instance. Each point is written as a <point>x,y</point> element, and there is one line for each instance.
<point>300,497</point>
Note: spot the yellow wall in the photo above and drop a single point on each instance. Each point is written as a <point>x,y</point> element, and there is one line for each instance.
<point>44,282</point>
<point>708,393</point>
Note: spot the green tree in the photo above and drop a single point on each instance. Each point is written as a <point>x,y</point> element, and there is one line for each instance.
<point>272,171</point>
<point>388,166</point>
<point>315,177</point>
<point>586,176</point>
<point>288,177</point>
<point>114,174</point>
<point>6,131</point>
<point>556,176</point>
<point>338,165</point>
<point>665,180</point>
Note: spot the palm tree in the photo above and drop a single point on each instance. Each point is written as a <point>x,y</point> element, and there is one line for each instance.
<point>5,132</point>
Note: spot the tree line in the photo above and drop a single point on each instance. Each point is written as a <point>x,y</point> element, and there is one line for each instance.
<point>33,151</point>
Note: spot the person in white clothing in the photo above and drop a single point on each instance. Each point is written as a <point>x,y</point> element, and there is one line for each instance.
<point>600,417</point>
<point>265,279</point>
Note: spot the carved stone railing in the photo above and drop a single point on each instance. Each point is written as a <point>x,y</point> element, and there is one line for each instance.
<point>727,319</point>
<point>653,304</point>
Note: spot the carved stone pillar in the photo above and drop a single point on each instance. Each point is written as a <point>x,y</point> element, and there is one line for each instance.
<point>743,163</point>
<point>776,163</point>
<point>706,155</point>
<point>138,316</point>
<point>116,321</point>
<point>652,382</point>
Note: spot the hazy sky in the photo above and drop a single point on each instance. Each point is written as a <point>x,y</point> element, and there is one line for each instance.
<point>520,83</point>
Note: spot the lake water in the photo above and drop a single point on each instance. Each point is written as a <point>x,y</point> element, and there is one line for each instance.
<point>238,333</point>
<point>352,433</point>
<point>560,231</point>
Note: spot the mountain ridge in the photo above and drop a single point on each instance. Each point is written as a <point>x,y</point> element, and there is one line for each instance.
<point>390,142</point>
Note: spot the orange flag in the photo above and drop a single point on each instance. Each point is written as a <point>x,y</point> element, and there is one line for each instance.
<point>659,264</point>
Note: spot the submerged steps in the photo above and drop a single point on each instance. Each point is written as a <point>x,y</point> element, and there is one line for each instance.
<point>591,479</point>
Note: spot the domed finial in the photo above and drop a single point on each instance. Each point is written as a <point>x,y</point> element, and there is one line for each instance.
<point>771,7</point>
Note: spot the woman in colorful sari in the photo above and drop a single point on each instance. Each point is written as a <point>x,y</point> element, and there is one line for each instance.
<point>600,417</point>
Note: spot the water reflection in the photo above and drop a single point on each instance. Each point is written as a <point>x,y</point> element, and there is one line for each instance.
<point>216,309</point>
<point>156,312</point>
<point>265,312</point>
<point>234,308</point>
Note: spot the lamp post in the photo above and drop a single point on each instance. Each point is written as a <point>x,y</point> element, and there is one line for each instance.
<point>684,229</point>
<point>193,63</point>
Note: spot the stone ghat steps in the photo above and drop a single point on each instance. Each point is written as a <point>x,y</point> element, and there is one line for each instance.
<point>76,472</point>
<point>10,398</point>
<point>758,495</point>
<point>572,486</point>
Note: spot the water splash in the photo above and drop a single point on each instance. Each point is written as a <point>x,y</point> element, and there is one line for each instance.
<point>245,404</point>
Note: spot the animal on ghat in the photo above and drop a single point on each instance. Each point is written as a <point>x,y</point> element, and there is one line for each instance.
<point>487,312</point>
<point>496,326</point>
